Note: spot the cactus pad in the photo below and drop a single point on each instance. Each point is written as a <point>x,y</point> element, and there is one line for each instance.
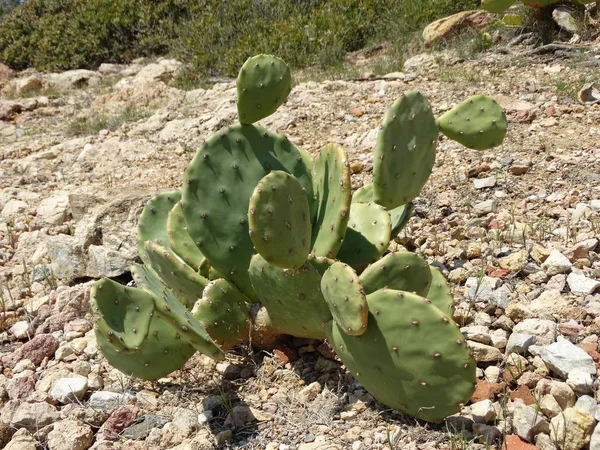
<point>278,217</point>
<point>439,292</point>
<point>181,242</point>
<point>320,263</point>
<point>399,216</point>
<point>223,312</point>
<point>402,271</point>
<point>405,151</point>
<point>263,85</point>
<point>367,235</point>
<point>152,225</point>
<point>346,298</point>
<point>217,187</point>
<point>187,284</point>
<point>478,123</point>
<point>122,313</point>
<point>292,297</point>
<point>331,180</point>
<point>412,357</point>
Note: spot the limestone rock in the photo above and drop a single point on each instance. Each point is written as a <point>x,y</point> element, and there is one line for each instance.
<point>573,428</point>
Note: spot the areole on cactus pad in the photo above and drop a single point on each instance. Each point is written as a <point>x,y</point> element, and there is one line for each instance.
<point>259,223</point>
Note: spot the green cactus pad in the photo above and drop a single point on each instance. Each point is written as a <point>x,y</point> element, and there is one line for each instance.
<point>292,297</point>
<point>161,351</point>
<point>188,328</point>
<point>263,85</point>
<point>367,235</point>
<point>278,218</point>
<point>331,180</point>
<point>478,123</point>
<point>122,313</point>
<point>399,216</point>
<point>187,284</point>
<point>439,292</point>
<point>181,242</point>
<point>412,356</point>
<point>160,354</point>
<point>320,263</point>
<point>223,312</point>
<point>346,298</point>
<point>217,187</point>
<point>497,6</point>
<point>152,225</point>
<point>402,271</point>
<point>405,151</point>
<point>172,310</point>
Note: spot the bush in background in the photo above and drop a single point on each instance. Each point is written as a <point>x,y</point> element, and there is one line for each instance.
<point>214,36</point>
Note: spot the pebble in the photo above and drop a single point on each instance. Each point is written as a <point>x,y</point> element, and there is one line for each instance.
<point>562,357</point>
<point>526,421</point>
<point>67,390</point>
<point>556,263</point>
<point>70,435</point>
<point>482,183</point>
<point>580,284</point>
<point>483,411</point>
<point>519,343</point>
<point>107,401</point>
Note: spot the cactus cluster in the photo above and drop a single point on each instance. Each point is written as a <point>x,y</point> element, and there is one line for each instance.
<point>259,221</point>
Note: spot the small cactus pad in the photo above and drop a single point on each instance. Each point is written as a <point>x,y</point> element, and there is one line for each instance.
<point>181,242</point>
<point>187,284</point>
<point>152,225</point>
<point>263,85</point>
<point>188,328</point>
<point>405,151</point>
<point>412,357</point>
<point>122,313</point>
<point>399,216</point>
<point>478,123</point>
<point>217,187</point>
<point>439,292</point>
<point>278,217</point>
<point>292,297</point>
<point>497,6</point>
<point>402,271</point>
<point>367,235</point>
<point>331,180</point>
<point>223,312</point>
<point>346,298</point>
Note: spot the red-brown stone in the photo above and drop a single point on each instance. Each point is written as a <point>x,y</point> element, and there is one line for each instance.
<point>524,394</point>
<point>486,391</point>
<point>514,442</point>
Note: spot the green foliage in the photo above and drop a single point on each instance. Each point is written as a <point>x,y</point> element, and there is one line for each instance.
<point>216,37</point>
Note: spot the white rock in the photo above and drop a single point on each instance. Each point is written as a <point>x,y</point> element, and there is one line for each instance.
<point>74,79</point>
<point>562,357</point>
<point>527,422</point>
<point>483,411</point>
<point>54,210</point>
<point>544,330</point>
<point>67,390</point>
<point>588,404</point>
<point>484,353</point>
<point>20,329</point>
<point>549,406</point>
<point>580,284</point>
<point>519,343</point>
<point>492,374</point>
<point>34,416</point>
<point>477,333</point>
<point>499,339</point>
<point>107,401</point>
<point>574,427</point>
<point>13,208</point>
<point>486,207</point>
<point>481,183</point>
<point>556,263</point>
<point>581,382</point>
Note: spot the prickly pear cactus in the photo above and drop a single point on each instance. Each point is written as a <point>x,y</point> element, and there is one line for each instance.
<point>264,222</point>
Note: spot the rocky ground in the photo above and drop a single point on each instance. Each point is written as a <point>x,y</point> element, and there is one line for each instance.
<point>515,230</point>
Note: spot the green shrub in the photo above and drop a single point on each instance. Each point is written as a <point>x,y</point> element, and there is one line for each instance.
<point>214,36</point>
